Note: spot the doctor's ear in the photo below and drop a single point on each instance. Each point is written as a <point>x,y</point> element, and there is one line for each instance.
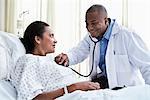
<point>106,21</point>
<point>37,39</point>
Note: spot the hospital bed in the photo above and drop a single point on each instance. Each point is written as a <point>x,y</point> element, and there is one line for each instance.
<point>11,49</point>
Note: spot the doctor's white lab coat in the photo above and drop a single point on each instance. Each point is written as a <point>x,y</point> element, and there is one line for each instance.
<point>127,58</point>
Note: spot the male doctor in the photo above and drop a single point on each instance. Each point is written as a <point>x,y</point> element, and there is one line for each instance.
<point>118,56</point>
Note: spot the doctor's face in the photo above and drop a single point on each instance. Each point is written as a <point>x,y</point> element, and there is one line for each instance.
<point>96,23</point>
<point>48,41</point>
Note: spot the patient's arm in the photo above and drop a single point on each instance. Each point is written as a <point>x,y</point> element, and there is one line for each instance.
<point>59,92</point>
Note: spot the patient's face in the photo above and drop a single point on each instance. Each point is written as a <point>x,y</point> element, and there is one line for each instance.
<point>48,41</point>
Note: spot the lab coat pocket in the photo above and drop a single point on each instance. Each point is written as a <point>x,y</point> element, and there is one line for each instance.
<point>123,69</point>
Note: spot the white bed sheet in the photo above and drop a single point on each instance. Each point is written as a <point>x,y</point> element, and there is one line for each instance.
<point>130,93</point>
<point>8,92</point>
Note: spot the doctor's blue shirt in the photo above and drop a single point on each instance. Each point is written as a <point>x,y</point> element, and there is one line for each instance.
<point>103,47</point>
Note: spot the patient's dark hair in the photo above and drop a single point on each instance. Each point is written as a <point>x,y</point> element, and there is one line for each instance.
<point>36,28</point>
<point>94,8</point>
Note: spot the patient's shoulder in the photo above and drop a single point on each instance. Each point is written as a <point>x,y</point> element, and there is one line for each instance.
<point>27,60</point>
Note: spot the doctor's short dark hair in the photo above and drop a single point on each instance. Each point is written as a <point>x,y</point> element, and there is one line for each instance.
<point>36,28</point>
<point>96,7</point>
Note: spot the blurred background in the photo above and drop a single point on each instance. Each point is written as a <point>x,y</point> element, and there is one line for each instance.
<point>67,19</point>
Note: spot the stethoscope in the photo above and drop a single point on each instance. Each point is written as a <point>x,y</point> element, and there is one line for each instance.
<point>95,42</point>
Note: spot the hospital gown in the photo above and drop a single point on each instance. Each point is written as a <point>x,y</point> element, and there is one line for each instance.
<point>34,75</point>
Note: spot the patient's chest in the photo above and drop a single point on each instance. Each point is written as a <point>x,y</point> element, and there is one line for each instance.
<point>53,76</point>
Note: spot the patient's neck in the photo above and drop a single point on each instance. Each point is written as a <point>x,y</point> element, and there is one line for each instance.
<point>39,51</point>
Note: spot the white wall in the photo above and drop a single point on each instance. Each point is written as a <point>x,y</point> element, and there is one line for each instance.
<point>139,18</point>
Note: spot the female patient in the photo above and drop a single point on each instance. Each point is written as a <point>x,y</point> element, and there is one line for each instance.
<point>36,76</point>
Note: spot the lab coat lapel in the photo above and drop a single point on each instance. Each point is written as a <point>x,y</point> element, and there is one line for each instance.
<point>110,63</point>
<point>110,60</point>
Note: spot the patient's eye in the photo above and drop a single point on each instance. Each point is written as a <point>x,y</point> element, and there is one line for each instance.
<point>51,35</point>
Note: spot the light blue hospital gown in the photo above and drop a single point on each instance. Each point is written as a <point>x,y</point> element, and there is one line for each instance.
<point>34,75</point>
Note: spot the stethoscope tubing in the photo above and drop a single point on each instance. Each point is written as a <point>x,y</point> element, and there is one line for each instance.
<point>95,42</point>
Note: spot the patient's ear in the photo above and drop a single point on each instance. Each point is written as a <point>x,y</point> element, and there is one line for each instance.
<point>37,39</point>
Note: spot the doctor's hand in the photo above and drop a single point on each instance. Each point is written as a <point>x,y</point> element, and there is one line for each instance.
<point>87,85</point>
<point>62,59</point>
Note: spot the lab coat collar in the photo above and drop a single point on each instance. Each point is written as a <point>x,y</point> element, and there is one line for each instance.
<point>116,28</point>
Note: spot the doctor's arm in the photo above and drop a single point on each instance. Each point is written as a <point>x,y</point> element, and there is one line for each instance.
<point>76,54</point>
<point>140,56</point>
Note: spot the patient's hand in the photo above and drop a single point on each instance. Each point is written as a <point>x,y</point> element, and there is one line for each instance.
<point>87,85</point>
<point>62,59</point>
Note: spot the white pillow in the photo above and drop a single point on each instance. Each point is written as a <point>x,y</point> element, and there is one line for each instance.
<point>7,91</point>
<point>11,49</point>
